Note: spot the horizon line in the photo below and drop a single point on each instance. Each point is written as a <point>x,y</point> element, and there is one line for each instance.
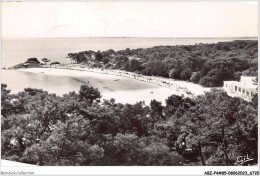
<point>129,37</point>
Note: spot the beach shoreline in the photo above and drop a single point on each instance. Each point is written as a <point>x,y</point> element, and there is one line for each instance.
<point>184,87</point>
<point>124,89</point>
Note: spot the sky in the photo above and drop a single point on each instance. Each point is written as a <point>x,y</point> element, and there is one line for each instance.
<point>129,19</point>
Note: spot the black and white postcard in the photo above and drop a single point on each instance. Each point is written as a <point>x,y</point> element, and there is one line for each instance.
<point>129,84</point>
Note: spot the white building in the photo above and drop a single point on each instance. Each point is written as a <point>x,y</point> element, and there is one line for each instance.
<point>245,89</point>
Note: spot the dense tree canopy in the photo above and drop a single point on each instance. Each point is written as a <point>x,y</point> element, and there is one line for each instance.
<point>75,129</point>
<point>206,64</point>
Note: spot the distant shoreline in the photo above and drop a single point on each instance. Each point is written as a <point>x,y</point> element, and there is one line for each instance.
<point>252,38</point>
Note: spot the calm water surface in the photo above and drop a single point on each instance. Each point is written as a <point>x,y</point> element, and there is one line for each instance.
<point>125,91</point>
<point>18,80</point>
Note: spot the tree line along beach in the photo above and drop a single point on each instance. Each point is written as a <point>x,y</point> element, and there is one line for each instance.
<point>203,64</point>
<point>186,119</point>
<point>115,83</point>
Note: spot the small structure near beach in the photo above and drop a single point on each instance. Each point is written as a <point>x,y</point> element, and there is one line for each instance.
<point>245,89</point>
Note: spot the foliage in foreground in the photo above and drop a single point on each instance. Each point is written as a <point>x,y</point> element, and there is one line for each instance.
<point>76,129</point>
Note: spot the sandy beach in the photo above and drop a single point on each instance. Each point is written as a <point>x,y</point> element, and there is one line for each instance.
<point>122,89</point>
